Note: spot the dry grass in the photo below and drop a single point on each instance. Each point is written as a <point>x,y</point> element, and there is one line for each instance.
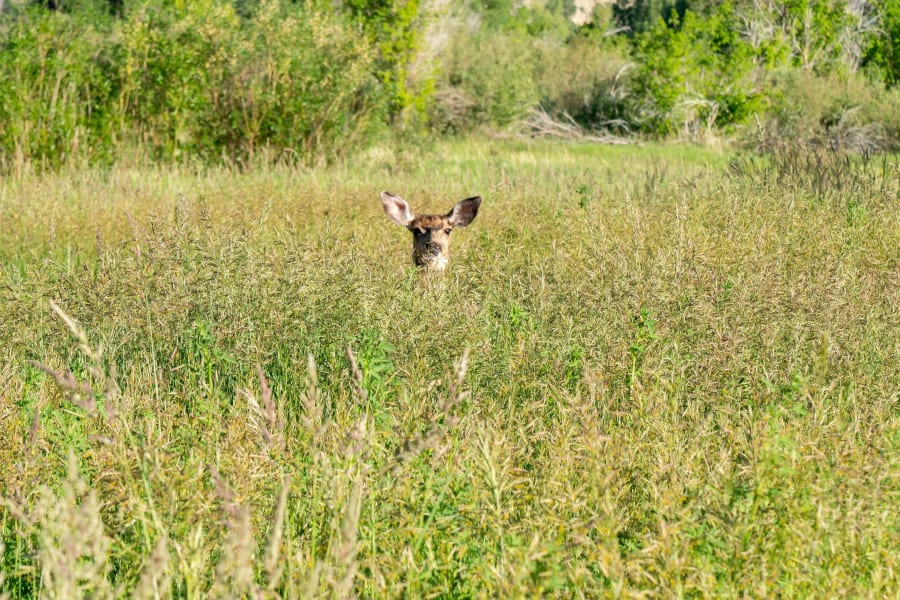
<point>676,375</point>
<point>540,124</point>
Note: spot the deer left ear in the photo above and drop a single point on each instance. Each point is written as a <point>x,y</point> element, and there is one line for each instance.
<point>464,212</point>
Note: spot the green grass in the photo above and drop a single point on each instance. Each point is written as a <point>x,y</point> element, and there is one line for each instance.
<point>682,380</point>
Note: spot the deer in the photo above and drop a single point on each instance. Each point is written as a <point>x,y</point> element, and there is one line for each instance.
<point>431,233</point>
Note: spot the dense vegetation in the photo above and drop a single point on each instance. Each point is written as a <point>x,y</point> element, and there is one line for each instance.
<point>682,382</point>
<point>95,81</point>
<point>666,369</point>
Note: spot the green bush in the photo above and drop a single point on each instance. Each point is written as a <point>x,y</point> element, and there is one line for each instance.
<point>692,75</point>
<point>493,74</point>
<point>184,79</point>
<point>231,79</point>
<point>843,111</point>
<point>172,55</point>
<point>585,79</point>
<point>55,90</point>
<point>301,79</point>
<point>200,80</point>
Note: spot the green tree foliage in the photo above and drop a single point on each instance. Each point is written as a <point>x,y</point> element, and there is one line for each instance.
<point>185,79</point>
<point>883,55</point>
<point>496,72</point>
<point>396,28</point>
<point>56,83</point>
<point>694,72</point>
<point>814,28</point>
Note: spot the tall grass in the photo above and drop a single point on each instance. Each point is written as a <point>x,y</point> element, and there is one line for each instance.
<point>647,372</point>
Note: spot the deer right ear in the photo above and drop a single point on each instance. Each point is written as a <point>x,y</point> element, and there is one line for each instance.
<point>396,209</point>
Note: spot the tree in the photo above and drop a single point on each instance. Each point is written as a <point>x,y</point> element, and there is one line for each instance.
<point>693,73</point>
<point>883,54</point>
<point>396,27</point>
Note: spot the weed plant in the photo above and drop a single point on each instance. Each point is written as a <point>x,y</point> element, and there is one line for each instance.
<point>648,372</point>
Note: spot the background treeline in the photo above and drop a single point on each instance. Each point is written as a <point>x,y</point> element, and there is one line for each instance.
<point>104,80</point>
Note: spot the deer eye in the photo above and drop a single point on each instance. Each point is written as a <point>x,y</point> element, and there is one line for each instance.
<point>447,231</point>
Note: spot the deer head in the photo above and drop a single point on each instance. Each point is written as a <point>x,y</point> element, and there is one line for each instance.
<point>431,233</point>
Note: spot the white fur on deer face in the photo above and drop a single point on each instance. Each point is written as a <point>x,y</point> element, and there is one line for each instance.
<point>431,233</point>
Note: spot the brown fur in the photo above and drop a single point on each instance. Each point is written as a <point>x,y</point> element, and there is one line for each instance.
<point>431,233</point>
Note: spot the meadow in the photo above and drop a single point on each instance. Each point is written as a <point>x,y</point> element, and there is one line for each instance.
<point>649,372</point>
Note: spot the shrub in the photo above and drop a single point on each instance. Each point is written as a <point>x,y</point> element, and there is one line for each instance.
<point>493,73</point>
<point>55,86</point>
<point>693,75</point>
<point>883,54</point>
<point>199,79</point>
<point>534,19</point>
<point>300,79</point>
<point>842,112</point>
<point>172,56</point>
<point>585,79</point>
<point>184,79</point>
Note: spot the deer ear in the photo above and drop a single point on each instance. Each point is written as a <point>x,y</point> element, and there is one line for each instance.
<point>396,209</point>
<point>465,211</point>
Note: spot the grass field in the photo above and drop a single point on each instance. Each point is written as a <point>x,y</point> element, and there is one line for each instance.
<point>681,379</point>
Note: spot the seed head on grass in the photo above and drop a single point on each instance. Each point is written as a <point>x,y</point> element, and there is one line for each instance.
<point>272,565</point>
<point>30,451</point>
<point>234,571</point>
<point>72,545</point>
<point>345,547</point>
<point>311,419</point>
<point>228,498</point>
<point>266,417</point>
<point>156,575</point>
<point>588,471</point>
<point>357,378</point>
<point>438,424</point>
<point>83,394</point>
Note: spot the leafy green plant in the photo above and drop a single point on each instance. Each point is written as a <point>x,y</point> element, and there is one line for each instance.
<point>396,28</point>
<point>495,73</point>
<point>374,360</point>
<point>883,54</point>
<point>645,335</point>
<point>55,89</point>
<point>693,74</point>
